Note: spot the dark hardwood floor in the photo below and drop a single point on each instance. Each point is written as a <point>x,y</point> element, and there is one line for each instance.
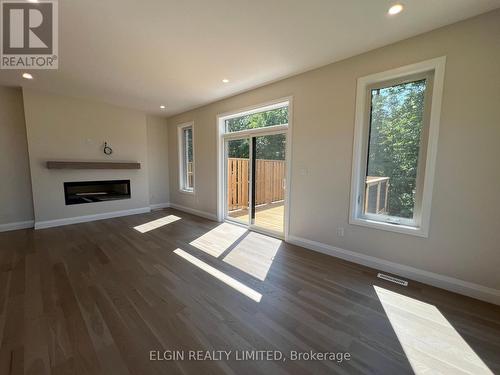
<point>97,298</point>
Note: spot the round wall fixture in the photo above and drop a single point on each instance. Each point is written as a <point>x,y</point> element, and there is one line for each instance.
<point>107,150</point>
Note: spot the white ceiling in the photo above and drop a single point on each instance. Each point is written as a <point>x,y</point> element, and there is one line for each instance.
<point>141,54</point>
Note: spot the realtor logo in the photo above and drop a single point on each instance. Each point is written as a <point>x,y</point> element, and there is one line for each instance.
<point>29,34</point>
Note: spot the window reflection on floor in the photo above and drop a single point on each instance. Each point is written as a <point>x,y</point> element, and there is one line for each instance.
<point>151,225</point>
<point>429,341</point>
<point>219,239</point>
<point>254,254</point>
<point>226,279</point>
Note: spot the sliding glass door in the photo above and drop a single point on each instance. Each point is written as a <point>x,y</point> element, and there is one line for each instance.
<point>237,180</point>
<point>269,182</point>
<point>256,181</point>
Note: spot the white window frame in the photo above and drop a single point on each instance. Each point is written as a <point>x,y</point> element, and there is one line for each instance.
<point>182,149</point>
<point>222,136</point>
<point>419,226</point>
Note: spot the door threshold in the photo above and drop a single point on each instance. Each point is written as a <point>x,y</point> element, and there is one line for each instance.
<point>269,233</point>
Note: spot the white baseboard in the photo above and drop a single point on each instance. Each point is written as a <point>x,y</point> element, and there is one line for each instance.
<point>159,206</point>
<point>86,218</point>
<point>206,215</point>
<point>17,225</point>
<point>445,282</point>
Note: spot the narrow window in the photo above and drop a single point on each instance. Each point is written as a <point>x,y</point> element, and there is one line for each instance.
<point>394,152</point>
<point>186,158</point>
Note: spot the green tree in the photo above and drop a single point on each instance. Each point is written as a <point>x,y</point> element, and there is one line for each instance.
<point>396,128</point>
<point>268,147</point>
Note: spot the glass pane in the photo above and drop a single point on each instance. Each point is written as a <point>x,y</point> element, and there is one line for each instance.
<point>278,116</point>
<point>270,182</point>
<point>396,123</point>
<point>238,172</point>
<point>188,147</point>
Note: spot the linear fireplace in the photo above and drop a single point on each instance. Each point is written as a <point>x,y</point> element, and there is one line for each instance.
<point>96,191</point>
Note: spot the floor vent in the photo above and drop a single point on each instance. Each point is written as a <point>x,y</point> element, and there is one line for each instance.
<point>392,279</point>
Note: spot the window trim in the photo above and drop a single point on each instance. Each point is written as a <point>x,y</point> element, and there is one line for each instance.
<point>429,77</point>
<point>181,150</point>
<point>360,146</point>
<point>222,135</point>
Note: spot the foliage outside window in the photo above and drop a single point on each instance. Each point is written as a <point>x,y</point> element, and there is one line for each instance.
<point>186,158</point>
<point>277,116</point>
<point>270,148</point>
<point>396,124</point>
<point>395,147</point>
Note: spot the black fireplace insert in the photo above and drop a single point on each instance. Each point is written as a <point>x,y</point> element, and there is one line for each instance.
<point>96,191</point>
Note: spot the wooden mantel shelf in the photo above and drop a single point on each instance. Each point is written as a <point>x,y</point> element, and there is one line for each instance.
<point>92,165</point>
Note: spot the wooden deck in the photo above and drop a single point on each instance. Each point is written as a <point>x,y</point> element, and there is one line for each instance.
<point>270,217</point>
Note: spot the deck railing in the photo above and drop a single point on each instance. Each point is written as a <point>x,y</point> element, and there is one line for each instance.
<point>376,194</point>
<point>190,179</point>
<point>269,182</point>
<point>270,185</point>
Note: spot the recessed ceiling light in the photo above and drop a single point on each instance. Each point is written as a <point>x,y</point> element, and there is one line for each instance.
<point>33,1</point>
<point>395,9</point>
<point>27,76</point>
<point>225,80</point>
<point>162,107</point>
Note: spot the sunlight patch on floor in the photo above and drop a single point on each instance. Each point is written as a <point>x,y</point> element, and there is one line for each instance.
<point>429,341</point>
<point>219,239</point>
<point>151,225</point>
<point>254,254</point>
<point>228,280</point>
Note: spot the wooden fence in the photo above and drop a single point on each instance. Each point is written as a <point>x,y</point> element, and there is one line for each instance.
<point>269,184</point>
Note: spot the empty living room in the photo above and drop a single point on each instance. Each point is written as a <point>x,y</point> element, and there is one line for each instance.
<point>249,187</point>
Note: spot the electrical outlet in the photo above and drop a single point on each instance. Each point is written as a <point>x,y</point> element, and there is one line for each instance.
<point>340,231</point>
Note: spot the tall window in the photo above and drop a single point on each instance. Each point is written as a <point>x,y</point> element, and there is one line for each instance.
<point>186,157</point>
<point>393,160</point>
<point>396,124</point>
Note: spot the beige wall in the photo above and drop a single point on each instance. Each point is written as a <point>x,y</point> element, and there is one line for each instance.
<point>16,204</point>
<point>464,234</point>
<point>64,128</point>
<point>157,133</point>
